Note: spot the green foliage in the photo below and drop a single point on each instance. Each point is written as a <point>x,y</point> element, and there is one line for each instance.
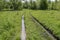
<point>26,5</point>
<point>16,5</point>
<point>1,6</point>
<point>43,5</point>
<point>50,19</point>
<point>10,25</point>
<point>12,4</point>
<point>49,1</point>
<point>33,4</point>
<point>30,5</point>
<point>33,30</point>
<point>54,5</point>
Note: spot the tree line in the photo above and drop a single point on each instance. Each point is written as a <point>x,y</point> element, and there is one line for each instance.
<point>34,5</point>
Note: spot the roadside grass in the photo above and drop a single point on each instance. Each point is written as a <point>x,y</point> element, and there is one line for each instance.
<point>50,18</point>
<point>10,25</point>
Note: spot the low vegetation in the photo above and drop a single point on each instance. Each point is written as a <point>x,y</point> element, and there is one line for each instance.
<point>50,19</point>
<point>33,30</point>
<point>11,11</point>
<point>10,25</point>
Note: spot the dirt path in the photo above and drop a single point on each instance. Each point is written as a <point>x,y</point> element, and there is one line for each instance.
<point>23,33</point>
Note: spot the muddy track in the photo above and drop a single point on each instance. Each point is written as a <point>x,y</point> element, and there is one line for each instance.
<point>48,31</point>
<point>23,32</point>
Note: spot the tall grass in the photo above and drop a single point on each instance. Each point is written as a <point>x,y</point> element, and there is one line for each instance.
<point>33,30</point>
<point>50,18</point>
<point>10,25</point>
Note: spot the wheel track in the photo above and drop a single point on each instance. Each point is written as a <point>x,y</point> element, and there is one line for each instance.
<point>23,33</point>
<point>48,31</point>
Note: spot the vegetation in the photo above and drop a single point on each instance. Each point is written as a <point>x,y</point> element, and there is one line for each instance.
<point>26,5</point>
<point>43,5</point>
<point>33,30</point>
<point>10,25</point>
<point>10,19</point>
<point>1,5</point>
<point>10,5</point>
<point>50,19</point>
<point>18,5</point>
<point>33,5</point>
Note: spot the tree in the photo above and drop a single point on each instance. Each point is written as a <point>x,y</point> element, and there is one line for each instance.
<point>26,5</point>
<point>43,5</point>
<point>33,4</point>
<point>19,6</point>
<point>16,5</point>
<point>5,4</point>
<point>52,6</point>
<point>56,4</point>
<point>49,1</point>
<point>1,5</point>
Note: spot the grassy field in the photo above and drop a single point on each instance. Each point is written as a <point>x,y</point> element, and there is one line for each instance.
<point>50,18</point>
<point>33,30</point>
<point>10,25</point>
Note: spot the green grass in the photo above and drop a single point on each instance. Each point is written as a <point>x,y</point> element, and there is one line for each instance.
<point>10,25</point>
<point>33,30</point>
<point>50,18</point>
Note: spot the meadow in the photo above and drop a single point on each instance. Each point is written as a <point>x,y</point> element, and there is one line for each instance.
<point>10,24</point>
<point>33,30</point>
<point>50,18</point>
